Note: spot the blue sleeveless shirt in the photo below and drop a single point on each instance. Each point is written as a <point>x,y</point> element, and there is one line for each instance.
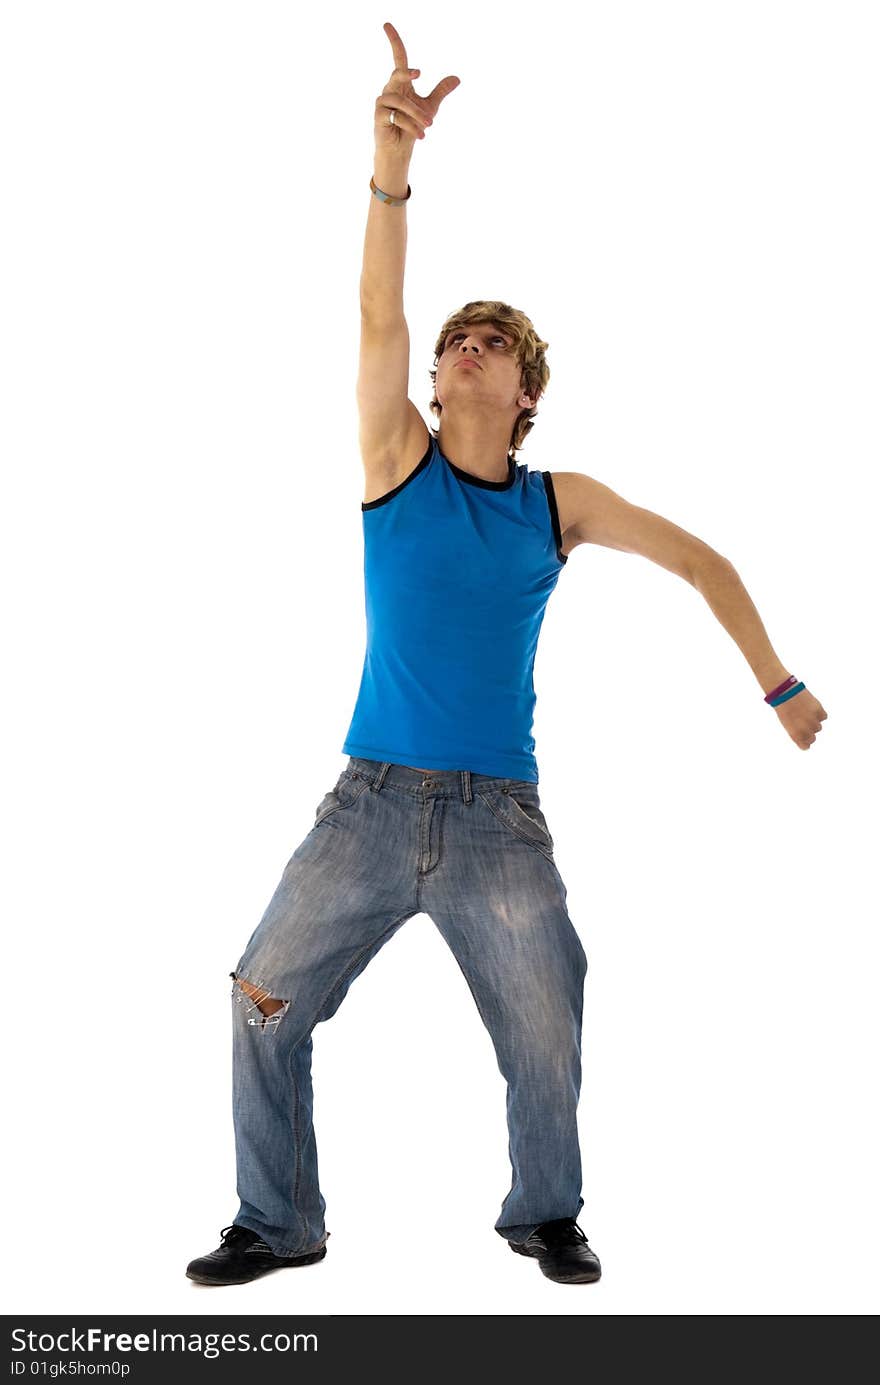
<point>457,575</point>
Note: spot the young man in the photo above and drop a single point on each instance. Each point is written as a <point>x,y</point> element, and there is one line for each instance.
<point>437,810</point>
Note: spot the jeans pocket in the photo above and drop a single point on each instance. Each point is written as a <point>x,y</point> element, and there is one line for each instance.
<point>346,791</point>
<point>519,808</point>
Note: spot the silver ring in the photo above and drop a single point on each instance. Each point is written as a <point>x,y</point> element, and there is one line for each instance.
<point>391,118</point>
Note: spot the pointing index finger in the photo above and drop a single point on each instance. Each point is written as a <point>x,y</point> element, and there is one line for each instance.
<point>397,47</point>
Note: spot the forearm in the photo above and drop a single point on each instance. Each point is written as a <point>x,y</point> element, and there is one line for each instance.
<point>719,583</point>
<point>385,242</point>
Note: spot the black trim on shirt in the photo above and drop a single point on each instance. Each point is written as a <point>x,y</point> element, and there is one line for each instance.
<point>389,495</point>
<point>479,480</point>
<point>554,515</point>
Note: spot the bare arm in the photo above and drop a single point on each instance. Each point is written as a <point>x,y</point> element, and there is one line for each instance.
<point>381,287</point>
<point>385,243</point>
<point>591,512</point>
<point>389,421</point>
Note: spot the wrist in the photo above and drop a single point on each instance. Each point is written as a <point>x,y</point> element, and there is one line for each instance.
<point>771,675</point>
<point>391,166</point>
<point>393,182</point>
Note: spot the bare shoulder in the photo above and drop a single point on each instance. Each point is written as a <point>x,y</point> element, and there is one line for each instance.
<point>572,492</point>
<point>591,512</point>
<point>382,475</point>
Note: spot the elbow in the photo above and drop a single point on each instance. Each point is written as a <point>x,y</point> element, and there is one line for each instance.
<point>705,561</point>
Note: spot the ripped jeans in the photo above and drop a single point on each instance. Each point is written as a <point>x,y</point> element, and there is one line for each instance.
<point>474,853</point>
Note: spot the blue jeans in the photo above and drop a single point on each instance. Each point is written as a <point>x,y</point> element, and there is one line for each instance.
<point>474,853</point>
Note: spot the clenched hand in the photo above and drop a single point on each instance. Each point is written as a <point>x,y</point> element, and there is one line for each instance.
<point>802,717</point>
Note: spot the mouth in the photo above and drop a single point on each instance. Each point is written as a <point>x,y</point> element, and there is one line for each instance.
<point>470,363</point>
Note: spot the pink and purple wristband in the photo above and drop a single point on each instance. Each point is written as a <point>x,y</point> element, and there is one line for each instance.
<point>788,688</point>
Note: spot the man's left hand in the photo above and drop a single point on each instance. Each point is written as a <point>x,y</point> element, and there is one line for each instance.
<point>802,717</point>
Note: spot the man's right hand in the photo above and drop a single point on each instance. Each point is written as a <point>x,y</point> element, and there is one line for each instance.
<point>412,113</point>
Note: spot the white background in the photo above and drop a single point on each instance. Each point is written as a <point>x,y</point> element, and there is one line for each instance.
<point>683,198</point>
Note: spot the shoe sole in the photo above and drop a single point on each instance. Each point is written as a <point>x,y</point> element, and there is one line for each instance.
<point>590,1277</point>
<point>270,1269</point>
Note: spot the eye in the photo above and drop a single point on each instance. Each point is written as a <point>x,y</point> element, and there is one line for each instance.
<point>456,335</point>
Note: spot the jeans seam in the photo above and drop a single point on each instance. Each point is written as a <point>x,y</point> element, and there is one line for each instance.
<point>297,1143</point>
<point>351,966</point>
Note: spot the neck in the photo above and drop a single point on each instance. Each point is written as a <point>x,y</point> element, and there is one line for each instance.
<point>476,447</point>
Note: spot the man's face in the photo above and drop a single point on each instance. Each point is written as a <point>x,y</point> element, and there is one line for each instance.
<point>493,377</point>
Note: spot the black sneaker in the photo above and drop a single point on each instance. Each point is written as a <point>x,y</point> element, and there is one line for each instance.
<point>243,1255</point>
<point>561,1249</point>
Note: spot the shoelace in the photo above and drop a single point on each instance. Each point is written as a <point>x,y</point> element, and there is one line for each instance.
<point>232,1234</point>
<point>562,1233</point>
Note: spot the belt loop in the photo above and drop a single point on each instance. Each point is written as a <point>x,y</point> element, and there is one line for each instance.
<point>380,778</point>
<point>466,792</point>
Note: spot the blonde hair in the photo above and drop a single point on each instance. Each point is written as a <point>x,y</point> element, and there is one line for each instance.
<point>528,348</point>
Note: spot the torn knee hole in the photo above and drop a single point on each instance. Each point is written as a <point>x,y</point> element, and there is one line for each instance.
<point>264,1001</point>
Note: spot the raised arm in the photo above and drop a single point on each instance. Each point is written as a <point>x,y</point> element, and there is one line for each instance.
<point>386,414</point>
<point>385,242</point>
